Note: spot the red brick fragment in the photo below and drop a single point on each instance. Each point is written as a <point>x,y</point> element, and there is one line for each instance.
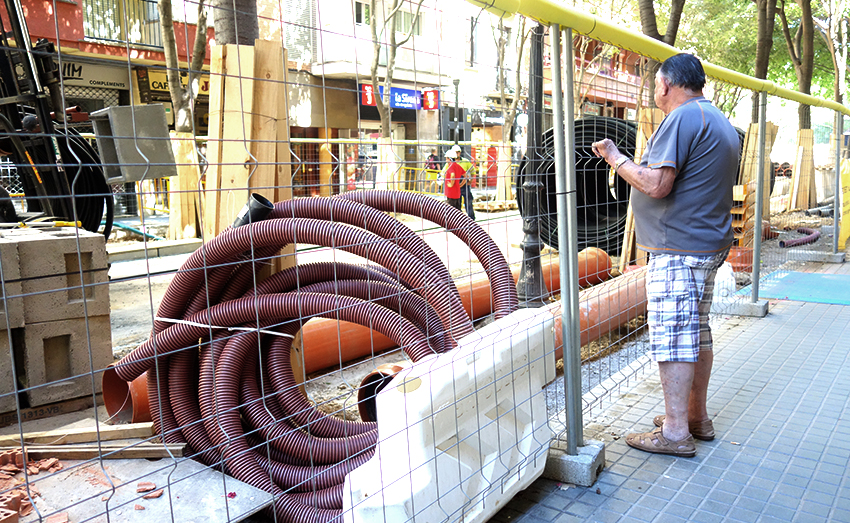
<point>19,458</point>
<point>61,517</point>
<point>145,486</point>
<point>104,498</point>
<point>47,464</point>
<point>153,495</point>
<point>26,507</point>
<point>8,516</point>
<point>11,500</point>
<point>32,469</point>
<point>139,507</point>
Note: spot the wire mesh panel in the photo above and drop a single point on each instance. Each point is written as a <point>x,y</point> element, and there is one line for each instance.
<point>306,261</point>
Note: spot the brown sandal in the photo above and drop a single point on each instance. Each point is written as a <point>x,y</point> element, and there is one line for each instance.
<point>703,430</point>
<point>656,443</point>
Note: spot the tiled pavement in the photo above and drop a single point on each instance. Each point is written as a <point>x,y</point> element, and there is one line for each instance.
<point>779,399</point>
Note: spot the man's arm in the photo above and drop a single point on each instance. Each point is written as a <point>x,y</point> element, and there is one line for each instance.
<point>656,183</point>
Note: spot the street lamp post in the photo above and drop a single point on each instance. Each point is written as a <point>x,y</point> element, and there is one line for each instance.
<point>456,81</point>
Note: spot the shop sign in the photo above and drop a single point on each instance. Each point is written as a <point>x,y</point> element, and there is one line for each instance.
<point>431,99</point>
<point>94,75</point>
<point>399,98</point>
<point>158,80</point>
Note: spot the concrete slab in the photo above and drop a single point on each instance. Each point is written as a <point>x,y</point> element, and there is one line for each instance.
<point>814,256</point>
<point>192,492</point>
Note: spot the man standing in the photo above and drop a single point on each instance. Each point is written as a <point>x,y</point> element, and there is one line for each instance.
<point>682,207</point>
<point>465,187</point>
<point>454,174</point>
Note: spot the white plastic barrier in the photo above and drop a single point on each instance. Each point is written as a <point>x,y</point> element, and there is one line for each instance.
<point>460,433</point>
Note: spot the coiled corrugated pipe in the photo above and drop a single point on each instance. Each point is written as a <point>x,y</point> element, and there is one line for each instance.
<point>219,375</point>
<point>601,208</point>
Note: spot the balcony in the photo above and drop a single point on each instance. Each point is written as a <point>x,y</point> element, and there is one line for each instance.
<point>134,22</point>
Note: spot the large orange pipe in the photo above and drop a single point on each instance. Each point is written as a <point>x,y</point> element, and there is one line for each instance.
<point>605,307</point>
<point>321,336</point>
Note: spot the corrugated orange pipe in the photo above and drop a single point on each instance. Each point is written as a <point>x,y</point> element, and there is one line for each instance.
<point>321,336</point>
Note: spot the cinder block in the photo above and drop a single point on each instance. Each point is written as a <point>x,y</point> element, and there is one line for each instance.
<point>56,351</point>
<point>53,286</point>
<point>7,384</point>
<point>11,302</point>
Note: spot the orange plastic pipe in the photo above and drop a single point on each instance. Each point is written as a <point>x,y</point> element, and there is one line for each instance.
<point>322,336</point>
<point>605,307</point>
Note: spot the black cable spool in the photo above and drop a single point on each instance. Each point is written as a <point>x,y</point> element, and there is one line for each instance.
<point>601,209</point>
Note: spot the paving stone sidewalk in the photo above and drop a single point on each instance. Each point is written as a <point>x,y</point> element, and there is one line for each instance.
<point>779,399</point>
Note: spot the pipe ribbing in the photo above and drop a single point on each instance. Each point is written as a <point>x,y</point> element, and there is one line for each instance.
<point>219,374</point>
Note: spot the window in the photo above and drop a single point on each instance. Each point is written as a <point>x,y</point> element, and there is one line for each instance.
<point>405,21</point>
<point>361,13</point>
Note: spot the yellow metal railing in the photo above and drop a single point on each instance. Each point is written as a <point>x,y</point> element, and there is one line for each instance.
<point>553,12</point>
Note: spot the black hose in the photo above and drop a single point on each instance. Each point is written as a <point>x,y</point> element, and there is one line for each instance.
<point>601,209</point>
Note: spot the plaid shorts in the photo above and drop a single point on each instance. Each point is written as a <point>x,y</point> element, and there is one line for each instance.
<point>679,290</point>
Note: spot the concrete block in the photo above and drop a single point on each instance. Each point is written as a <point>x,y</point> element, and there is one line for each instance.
<point>7,384</point>
<point>739,307</point>
<point>56,358</point>
<point>11,302</point>
<point>52,284</point>
<point>580,469</point>
<point>814,256</point>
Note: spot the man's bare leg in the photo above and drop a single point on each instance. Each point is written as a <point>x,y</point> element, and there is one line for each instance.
<point>677,379</point>
<point>697,410</point>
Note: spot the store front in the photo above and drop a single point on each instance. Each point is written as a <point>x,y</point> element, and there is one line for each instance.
<point>92,86</point>
<point>153,89</point>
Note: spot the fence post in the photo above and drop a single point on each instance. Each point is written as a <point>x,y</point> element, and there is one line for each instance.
<point>757,232</point>
<point>567,235</point>
<point>839,130</point>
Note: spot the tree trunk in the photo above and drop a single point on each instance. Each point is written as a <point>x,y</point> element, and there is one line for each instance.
<point>649,24</point>
<point>807,58</point>
<point>236,22</point>
<point>182,98</point>
<point>764,45</point>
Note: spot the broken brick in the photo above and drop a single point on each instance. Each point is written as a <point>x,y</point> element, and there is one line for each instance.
<point>32,469</point>
<point>145,486</point>
<point>61,517</point>
<point>8,516</point>
<point>46,464</point>
<point>26,507</point>
<point>11,500</point>
<point>139,507</point>
<point>153,495</point>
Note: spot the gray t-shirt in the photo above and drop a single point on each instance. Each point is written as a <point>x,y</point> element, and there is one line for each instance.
<point>695,219</point>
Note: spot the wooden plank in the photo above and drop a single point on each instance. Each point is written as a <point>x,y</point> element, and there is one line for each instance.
<point>268,72</point>
<point>81,435</point>
<point>214,136</point>
<point>183,218</point>
<point>47,411</point>
<point>283,180</point>
<point>106,451</point>
<point>235,145</point>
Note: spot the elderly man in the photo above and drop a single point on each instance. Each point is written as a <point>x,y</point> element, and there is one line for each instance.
<point>682,206</point>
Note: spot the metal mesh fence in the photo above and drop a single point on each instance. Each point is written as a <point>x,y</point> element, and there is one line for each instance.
<point>425,296</point>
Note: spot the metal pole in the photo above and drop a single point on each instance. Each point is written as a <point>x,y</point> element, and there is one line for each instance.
<point>456,81</point>
<point>567,234</point>
<point>839,131</point>
<point>530,287</point>
<point>759,196</point>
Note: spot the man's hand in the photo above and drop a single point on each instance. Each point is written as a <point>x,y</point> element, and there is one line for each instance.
<point>606,149</point>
